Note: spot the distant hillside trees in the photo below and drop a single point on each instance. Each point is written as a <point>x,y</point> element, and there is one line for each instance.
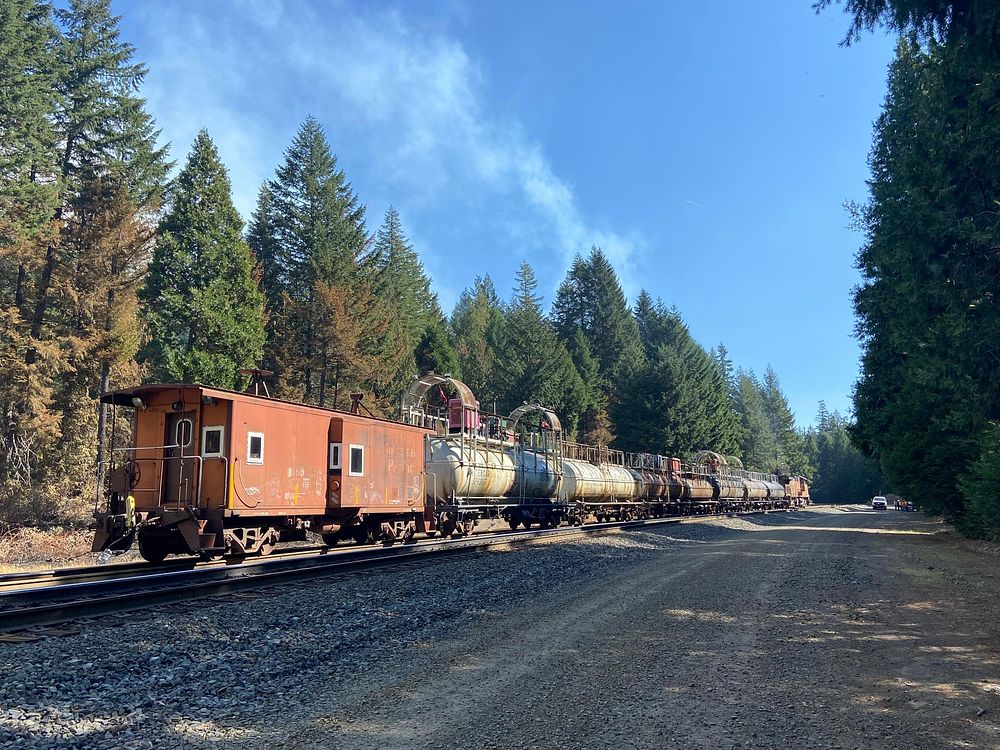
<point>841,473</point>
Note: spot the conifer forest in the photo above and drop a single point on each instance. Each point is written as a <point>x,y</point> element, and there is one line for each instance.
<point>123,260</point>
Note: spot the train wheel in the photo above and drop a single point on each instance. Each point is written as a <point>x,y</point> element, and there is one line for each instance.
<point>153,550</point>
<point>330,540</point>
<point>512,522</point>
<point>363,535</point>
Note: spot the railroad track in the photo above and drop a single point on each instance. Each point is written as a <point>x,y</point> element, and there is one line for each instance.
<point>15,582</point>
<point>51,599</point>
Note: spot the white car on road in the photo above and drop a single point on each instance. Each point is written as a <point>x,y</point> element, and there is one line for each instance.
<point>879,503</point>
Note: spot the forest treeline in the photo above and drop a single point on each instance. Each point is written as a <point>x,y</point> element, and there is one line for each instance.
<point>114,273</point>
<point>927,404</point>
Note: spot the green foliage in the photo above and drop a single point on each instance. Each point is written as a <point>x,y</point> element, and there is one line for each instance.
<point>477,322</point>
<point>939,20</point>
<point>201,302</point>
<point>678,402</point>
<point>981,488</point>
<point>28,152</point>
<point>791,457</point>
<point>435,353</point>
<point>841,473</point>
<point>531,364</point>
<point>80,176</point>
<point>404,296</point>
<point>927,316</point>
<point>590,301</point>
<point>591,298</point>
<point>309,232</point>
<point>759,445</point>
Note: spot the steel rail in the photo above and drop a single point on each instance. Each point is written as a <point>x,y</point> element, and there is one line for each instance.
<point>13,582</point>
<point>35,607</point>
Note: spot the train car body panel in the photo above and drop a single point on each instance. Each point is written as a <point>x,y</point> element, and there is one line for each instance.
<point>375,466</point>
<point>279,459</point>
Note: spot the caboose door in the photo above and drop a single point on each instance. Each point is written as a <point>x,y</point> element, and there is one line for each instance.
<point>178,467</point>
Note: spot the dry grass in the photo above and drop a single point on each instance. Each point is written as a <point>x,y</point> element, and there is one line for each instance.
<point>33,549</point>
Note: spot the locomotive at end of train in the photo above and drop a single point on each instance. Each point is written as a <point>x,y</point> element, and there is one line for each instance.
<point>213,472</point>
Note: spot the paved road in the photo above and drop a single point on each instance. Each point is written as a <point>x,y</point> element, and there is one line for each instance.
<point>829,628</point>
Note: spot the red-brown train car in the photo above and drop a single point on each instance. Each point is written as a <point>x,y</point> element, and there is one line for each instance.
<point>213,471</point>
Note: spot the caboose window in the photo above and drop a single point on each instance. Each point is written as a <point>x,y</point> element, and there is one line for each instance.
<point>211,441</point>
<point>357,467</point>
<point>334,456</point>
<point>255,447</point>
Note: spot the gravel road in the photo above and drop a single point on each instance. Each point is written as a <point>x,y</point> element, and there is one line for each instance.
<point>823,628</point>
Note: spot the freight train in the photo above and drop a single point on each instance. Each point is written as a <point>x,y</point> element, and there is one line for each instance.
<point>213,472</point>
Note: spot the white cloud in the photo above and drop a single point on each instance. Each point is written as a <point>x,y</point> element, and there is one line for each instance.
<point>414,101</point>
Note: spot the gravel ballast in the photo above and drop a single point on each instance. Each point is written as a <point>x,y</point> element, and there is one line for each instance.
<point>821,628</point>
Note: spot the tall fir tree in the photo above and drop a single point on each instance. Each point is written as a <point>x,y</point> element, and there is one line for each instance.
<point>263,242</point>
<point>29,194</point>
<point>435,352</point>
<point>591,298</point>
<point>404,293</point>
<point>678,402</point>
<point>759,448</point>
<point>531,363</point>
<point>791,456</point>
<point>329,331</point>
<point>477,324</point>
<point>201,302</point>
<point>107,164</point>
<point>928,395</point>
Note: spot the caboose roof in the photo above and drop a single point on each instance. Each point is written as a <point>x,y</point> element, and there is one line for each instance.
<point>124,397</point>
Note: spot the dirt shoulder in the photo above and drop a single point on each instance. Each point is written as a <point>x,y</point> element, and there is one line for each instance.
<point>830,628</point>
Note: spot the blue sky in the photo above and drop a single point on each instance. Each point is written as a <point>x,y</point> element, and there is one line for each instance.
<point>708,148</point>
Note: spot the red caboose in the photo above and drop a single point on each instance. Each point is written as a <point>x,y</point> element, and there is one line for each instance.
<point>211,471</point>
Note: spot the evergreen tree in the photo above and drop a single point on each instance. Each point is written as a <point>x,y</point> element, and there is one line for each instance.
<point>28,155</point>
<point>404,294</point>
<point>201,302</point>
<point>29,426</point>
<point>477,324</point>
<point>311,232</point>
<point>759,447</point>
<point>93,163</point>
<point>435,352</point>
<point>927,321</point>
<point>791,456</point>
<point>595,425</point>
<point>591,299</point>
<point>841,473</point>
<point>532,364</point>
<point>262,239</point>
<point>678,403</point>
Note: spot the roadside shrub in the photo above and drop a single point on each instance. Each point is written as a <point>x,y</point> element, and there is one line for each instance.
<point>981,489</point>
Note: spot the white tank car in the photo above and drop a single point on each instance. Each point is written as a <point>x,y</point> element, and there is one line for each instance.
<point>587,482</point>
<point>462,469</point>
